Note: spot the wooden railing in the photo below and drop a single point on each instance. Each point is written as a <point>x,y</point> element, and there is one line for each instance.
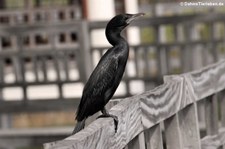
<point>167,114</point>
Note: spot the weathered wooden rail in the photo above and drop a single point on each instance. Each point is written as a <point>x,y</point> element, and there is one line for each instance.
<point>172,105</point>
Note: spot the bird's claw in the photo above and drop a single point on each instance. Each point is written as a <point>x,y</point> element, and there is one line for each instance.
<point>115,119</point>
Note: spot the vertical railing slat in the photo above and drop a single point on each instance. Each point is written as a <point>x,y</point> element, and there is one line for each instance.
<point>138,142</point>
<point>146,61</point>
<point>1,70</point>
<point>84,60</point>
<point>222,106</point>
<point>56,65</point>
<point>158,57</point>
<point>21,60</point>
<point>187,52</point>
<point>212,44</point>
<point>44,67</point>
<point>35,67</point>
<point>154,137</point>
<point>16,69</point>
<point>188,122</point>
<point>163,60</point>
<point>172,130</point>
<point>65,64</point>
<point>136,62</point>
<point>211,113</point>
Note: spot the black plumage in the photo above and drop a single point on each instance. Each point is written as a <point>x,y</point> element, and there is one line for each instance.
<point>108,73</point>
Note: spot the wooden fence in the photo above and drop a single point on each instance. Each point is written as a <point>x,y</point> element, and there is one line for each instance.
<point>167,114</point>
<point>150,60</point>
<point>20,60</point>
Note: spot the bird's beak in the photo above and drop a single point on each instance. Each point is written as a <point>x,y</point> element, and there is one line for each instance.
<point>133,17</point>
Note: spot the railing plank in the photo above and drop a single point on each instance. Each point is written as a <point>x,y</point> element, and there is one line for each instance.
<point>65,59</point>
<point>35,68</point>
<point>138,142</point>
<point>57,65</point>
<point>222,106</point>
<point>2,67</point>
<point>44,68</point>
<point>211,110</point>
<point>84,60</point>
<point>16,69</point>
<point>172,130</point>
<point>188,122</point>
<point>154,137</point>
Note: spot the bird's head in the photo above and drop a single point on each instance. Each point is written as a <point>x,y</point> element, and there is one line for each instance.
<point>117,24</point>
<point>122,20</point>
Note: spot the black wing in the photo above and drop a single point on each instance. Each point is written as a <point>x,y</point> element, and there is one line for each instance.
<point>100,81</point>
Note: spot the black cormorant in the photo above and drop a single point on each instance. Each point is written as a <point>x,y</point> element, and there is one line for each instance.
<point>108,73</point>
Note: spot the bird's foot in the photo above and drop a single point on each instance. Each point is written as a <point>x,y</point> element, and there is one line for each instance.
<point>115,118</point>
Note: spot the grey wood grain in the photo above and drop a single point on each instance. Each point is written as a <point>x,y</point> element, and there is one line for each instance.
<point>172,131</point>
<point>188,122</point>
<point>214,141</point>
<point>138,142</point>
<point>206,81</point>
<point>165,100</point>
<point>154,137</point>
<point>222,107</point>
<point>211,115</point>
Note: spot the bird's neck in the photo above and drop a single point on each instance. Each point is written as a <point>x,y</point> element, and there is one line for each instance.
<point>114,37</point>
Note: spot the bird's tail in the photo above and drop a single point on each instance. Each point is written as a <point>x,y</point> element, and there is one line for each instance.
<point>79,126</point>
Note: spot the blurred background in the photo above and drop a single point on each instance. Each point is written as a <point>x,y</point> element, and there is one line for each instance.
<point>48,48</point>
